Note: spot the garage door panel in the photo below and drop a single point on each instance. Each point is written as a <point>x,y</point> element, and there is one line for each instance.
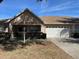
<point>57,32</point>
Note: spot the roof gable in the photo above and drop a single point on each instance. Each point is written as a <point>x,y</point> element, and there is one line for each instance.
<point>26,17</point>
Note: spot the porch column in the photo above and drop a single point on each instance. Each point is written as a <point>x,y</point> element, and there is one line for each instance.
<point>24,34</point>
<point>24,31</point>
<point>11,31</point>
<point>73,28</point>
<point>70,31</point>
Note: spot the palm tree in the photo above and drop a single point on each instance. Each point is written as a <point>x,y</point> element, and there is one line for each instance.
<point>37,1</point>
<point>40,0</point>
<point>1,1</point>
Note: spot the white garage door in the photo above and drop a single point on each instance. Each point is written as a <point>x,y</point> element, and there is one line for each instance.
<point>57,32</point>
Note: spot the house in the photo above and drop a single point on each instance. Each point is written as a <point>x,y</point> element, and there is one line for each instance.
<point>52,26</point>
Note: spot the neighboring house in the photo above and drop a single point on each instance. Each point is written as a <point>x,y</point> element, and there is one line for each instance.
<point>3,25</point>
<point>54,27</point>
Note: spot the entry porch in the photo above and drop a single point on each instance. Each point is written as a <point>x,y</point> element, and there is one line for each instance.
<point>28,32</point>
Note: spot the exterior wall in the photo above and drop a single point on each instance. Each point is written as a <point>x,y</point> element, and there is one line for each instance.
<point>43,28</point>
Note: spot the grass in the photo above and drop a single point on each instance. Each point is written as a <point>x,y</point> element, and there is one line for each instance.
<point>46,50</point>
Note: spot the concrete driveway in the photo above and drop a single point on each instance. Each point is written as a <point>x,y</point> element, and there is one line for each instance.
<point>70,47</point>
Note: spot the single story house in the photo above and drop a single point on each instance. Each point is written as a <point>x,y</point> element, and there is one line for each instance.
<point>52,26</point>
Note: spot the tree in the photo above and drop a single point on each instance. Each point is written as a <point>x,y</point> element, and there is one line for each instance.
<point>41,0</point>
<point>1,1</point>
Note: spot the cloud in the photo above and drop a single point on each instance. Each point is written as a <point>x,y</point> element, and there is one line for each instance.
<point>62,6</point>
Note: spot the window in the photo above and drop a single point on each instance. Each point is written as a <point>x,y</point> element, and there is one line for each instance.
<point>33,28</point>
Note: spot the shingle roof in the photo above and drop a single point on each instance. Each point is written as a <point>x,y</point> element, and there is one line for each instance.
<point>59,20</point>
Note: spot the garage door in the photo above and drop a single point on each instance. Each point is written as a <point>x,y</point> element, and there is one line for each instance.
<point>57,32</point>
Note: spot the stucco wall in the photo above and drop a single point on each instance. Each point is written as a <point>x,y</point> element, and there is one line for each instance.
<point>43,28</point>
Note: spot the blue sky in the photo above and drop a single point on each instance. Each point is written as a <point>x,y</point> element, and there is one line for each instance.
<point>10,8</point>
